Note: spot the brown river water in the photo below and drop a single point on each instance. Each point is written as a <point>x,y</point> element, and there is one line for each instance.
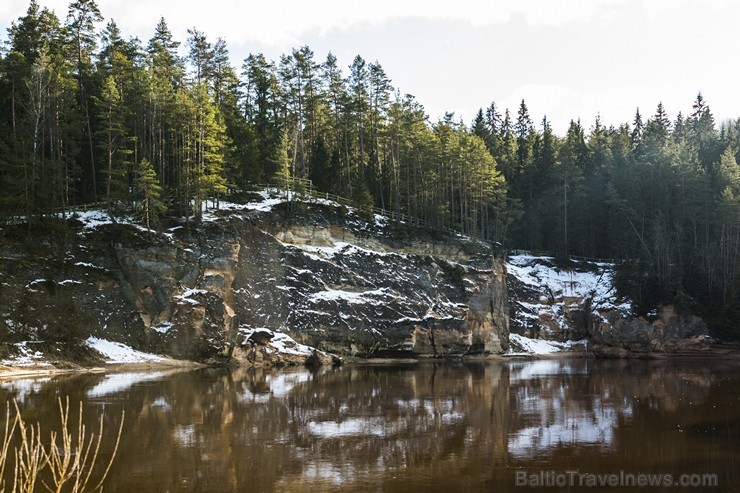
<point>550,425</point>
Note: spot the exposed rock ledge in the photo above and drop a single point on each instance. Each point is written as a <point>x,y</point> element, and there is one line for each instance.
<point>579,302</point>
<point>314,272</point>
<point>319,278</point>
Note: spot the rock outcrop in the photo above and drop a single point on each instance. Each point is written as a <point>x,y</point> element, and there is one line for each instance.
<point>315,272</point>
<point>615,335</point>
<point>312,278</point>
<point>579,302</point>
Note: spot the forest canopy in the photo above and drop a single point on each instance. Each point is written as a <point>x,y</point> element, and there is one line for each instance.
<point>89,115</point>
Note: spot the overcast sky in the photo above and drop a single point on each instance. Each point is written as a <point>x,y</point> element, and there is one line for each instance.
<point>565,58</point>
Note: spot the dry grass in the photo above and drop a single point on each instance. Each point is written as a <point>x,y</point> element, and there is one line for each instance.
<point>66,464</point>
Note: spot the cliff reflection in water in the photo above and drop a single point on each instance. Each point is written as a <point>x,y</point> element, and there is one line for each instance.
<point>425,427</point>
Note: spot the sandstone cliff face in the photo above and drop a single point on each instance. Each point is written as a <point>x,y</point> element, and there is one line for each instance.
<point>488,314</point>
<point>318,274</point>
<point>312,271</point>
<point>333,283</point>
<point>353,288</point>
<point>614,334</point>
<point>579,302</point>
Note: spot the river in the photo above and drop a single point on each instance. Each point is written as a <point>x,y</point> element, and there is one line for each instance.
<point>427,427</point>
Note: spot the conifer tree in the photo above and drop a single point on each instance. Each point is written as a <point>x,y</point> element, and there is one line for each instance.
<point>151,205</point>
<point>81,20</point>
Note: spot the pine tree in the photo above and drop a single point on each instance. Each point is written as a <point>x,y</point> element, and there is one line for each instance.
<point>336,99</point>
<point>81,20</point>
<point>637,128</point>
<point>116,70</point>
<point>357,108</point>
<point>165,70</point>
<point>31,74</point>
<point>657,129</point>
<point>240,146</point>
<point>479,128</point>
<point>703,134</point>
<point>523,129</point>
<point>262,112</point>
<point>113,145</point>
<point>322,166</point>
<point>572,158</point>
<point>151,205</point>
<point>728,225</point>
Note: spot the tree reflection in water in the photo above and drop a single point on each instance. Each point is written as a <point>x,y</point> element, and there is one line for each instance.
<point>419,427</point>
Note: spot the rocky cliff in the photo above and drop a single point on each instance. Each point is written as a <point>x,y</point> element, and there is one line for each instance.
<point>578,302</point>
<point>313,274</point>
<point>267,281</point>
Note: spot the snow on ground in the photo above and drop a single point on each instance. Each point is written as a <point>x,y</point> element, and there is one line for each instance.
<point>557,286</point>
<point>25,357</point>
<point>281,343</point>
<point>540,273</point>
<point>264,205</point>
<point>285,344</point>
<point>115,352</point>
<point>93,218</point>
<point>520,345</point>
<point>533,346</point>
<point>269,199</point>
<point>186,296</point>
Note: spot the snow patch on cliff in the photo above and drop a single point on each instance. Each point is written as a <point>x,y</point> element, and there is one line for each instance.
<point>116,352</point>
<point>186,297</point>
<point>549,291</point>
<point>348,296</point>
<point>280,343</point>
<point>584,280</point>
<point>520,345</point>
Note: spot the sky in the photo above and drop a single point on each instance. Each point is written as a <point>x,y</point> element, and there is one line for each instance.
<point>568,59</point>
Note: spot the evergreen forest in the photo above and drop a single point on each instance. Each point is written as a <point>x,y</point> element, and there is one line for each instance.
<point>89,115</point>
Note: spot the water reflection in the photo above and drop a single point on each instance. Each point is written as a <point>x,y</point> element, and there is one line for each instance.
<point>423,427</point>
<point>119,382</point>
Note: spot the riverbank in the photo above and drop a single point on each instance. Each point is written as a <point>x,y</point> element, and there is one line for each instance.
<point>45,370</point>
<point>716,353</point>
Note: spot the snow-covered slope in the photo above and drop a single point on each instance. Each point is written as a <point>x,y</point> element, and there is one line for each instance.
<point>553,302</point>
<point>578,302</point>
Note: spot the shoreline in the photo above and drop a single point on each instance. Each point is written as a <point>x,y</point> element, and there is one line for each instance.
<point>47,370</point>
<point>716,353</point>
